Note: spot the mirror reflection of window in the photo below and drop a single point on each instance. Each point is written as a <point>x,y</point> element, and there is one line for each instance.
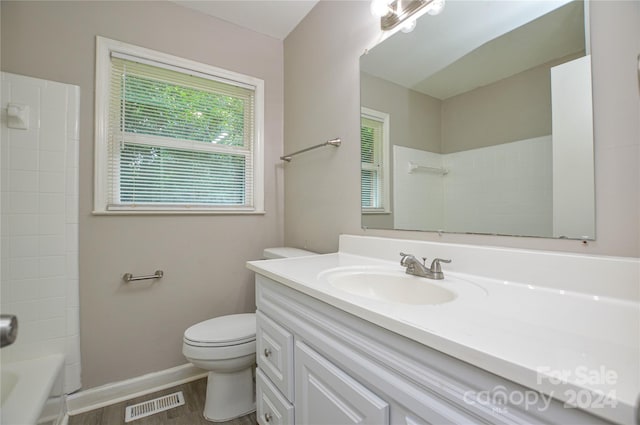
<point>374,142</point>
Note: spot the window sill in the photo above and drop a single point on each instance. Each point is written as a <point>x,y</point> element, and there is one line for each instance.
<point>175,212</point>
<point>376,212</point>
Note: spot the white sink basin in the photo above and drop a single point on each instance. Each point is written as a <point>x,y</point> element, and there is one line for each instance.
<point>390,286</point>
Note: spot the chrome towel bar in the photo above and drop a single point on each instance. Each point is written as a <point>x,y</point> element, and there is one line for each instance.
<point>128,277</point>
<point>413,167</point>
<point>333,142</point>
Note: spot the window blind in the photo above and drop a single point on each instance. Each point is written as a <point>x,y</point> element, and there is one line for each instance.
<point>371,154</point>
<point>178,140</point>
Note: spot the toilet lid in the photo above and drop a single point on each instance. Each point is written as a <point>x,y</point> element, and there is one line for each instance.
<point>224,330</point>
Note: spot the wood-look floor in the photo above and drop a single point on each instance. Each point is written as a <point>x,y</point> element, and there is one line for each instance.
<point>188,414</point>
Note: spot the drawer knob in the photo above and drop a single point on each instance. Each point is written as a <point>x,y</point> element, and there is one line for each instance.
<point>267,417</point>
<point>267,353</point>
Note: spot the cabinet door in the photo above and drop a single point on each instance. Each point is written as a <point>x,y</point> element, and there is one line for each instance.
<point>274,352</point>
<point>271,407</point>
<point>327,395</point>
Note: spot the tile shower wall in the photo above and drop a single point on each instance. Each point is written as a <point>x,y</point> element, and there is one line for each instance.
<point>39,229</point>
<point>504,189</point>
<point>411,189</point>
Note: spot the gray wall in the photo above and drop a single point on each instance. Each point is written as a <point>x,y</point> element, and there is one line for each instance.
<point>511,109</point>
<point>414,122</point>
<point>515,108</point>
<point>130,330</point>
<point>322,101</point>
<point>415,117</point>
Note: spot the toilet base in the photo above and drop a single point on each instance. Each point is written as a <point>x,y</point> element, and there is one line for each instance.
<point>229,395</point>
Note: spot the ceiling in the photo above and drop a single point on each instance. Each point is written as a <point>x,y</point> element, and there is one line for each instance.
<point>275,18</point>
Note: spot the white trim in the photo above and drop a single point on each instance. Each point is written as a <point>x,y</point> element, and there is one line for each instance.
<point>117,392</point>
<point>153,55</point>
<point>374,211</point>
<point>258,147</point>
<point>170,143</point>
<point>101,123</point>
<point>104,48</point>
<point>180,69</point>
<point>384,118</point>
<point>179,208</point>
<point>193,211</point>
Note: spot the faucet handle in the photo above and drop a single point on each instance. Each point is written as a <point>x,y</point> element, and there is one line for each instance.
<point>403,260</point>
<point>435,265</point>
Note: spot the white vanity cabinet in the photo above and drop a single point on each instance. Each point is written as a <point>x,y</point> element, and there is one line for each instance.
<point>325,394</point>
<point>274,351</point>
<point>271,406</point>
<point>318,364</point>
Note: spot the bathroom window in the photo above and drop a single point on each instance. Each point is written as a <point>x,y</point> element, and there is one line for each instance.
<point>374,148</point>
<point>173,135</point>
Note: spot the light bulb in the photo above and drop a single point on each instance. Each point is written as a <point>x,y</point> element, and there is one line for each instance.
<point>408,25</point>
<point>435,7</point>
<point>379,8</point>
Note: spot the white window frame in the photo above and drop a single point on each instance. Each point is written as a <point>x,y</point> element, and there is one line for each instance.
<point>104,48</point>
<point>382,117</point>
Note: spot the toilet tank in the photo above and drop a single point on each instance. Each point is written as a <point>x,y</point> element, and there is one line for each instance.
<point>284,252</point>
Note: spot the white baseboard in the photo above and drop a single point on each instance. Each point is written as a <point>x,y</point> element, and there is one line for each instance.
<point>116,392</point>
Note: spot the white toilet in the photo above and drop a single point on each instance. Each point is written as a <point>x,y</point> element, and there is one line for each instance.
<point>226,347</point>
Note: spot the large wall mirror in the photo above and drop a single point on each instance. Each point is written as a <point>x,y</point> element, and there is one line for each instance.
<point>480,121</point>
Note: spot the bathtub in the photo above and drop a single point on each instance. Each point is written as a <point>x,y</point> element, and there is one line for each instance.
<point>25,387</point>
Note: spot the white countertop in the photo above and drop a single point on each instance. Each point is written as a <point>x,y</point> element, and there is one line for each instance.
<point>561,343</point>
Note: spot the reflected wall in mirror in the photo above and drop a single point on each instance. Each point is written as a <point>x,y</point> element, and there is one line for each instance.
<point>480,121</point>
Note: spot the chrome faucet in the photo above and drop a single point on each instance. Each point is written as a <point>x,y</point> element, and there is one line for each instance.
<point>417,268</point>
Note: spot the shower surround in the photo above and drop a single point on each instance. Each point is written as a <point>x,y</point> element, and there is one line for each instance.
<point>39,229</point>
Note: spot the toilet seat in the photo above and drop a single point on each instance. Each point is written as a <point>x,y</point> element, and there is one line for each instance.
<point>217,344</point>
<point>223,331</point>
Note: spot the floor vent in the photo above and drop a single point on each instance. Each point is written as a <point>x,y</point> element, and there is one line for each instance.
<point>151,407</point>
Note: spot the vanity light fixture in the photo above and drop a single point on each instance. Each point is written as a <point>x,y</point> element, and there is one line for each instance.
<point>408,25</point>
<point>380,8</point>
<point>393,13</point>
<point>435,7</point>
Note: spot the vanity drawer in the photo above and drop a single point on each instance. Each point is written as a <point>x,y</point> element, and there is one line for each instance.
<point>326,394</point>
<point>274,352</point>
<point>271,407</point>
